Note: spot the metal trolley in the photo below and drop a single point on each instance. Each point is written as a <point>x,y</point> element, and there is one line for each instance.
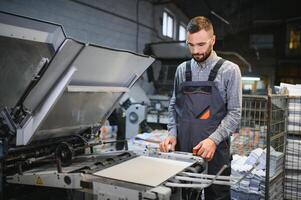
<point>263,125</point>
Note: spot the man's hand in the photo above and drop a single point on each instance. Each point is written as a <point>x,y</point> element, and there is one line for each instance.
<point>168,144</point>
<point>205,149</point>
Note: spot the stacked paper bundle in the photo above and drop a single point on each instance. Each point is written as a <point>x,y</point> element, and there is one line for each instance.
<point>292,90</point>
<point>294,115</point>
<point>276,162</point>
<point>249,187</point>
<point>148,140</point>
<point>253,185</point>
<point>293,169</point>
<point>294,106</point>
<point>276,188</point>
<point>259,155</point>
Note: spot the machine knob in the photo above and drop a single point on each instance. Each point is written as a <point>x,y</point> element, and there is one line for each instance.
<point>133,117</point>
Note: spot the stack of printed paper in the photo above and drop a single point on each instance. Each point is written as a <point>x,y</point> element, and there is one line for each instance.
<point>293,169</point>
<point>252,186</point>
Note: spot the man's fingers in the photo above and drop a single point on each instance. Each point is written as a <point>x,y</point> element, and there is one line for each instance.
<point>165,145</point>
<point>198,146</point>
<point>200,152</point>
<point>210,156</point>
<point>206,153</point>
<point>161,146</point>
<point>168,144</point>
<point>173,146</point>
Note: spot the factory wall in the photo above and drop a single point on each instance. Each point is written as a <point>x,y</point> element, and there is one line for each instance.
<point>114,23</point>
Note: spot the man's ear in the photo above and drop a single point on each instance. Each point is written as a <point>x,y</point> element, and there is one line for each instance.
<point>213,39</point>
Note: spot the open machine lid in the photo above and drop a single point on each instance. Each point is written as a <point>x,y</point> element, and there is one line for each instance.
<point>168,50</point>
<point>24,44</point>
<point>79,88</point>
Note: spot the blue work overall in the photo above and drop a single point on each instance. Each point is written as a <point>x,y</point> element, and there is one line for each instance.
<point>200,110</point>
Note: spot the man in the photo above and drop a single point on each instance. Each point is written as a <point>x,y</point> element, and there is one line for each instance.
<point>206,104</point>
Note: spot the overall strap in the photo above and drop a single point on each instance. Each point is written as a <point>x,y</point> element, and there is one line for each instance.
<point>188,76</point>
<point>215,69</point>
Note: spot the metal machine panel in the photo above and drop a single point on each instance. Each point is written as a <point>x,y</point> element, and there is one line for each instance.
<point>18,62</point>
<point>59,64</point>
<point>102,66</point>
<point>96,76</point>
<point>97,67</point>
<point>33,121</point>
<point>24,42</point>
<point>170,50</point>
<point>26,28</point>
<point>74,112</point>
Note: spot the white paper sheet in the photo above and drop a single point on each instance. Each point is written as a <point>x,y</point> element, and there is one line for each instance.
<point>144,170</point>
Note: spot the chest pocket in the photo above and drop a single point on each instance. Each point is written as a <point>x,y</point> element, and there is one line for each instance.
<point>206,90</point>
<point>196,99</point>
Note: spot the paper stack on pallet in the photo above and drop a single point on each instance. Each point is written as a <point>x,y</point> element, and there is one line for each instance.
<point>294,115</point>
<point>253,185</point>
<point>249,187</point>
<point>292,184</point>
<point>294,106</point>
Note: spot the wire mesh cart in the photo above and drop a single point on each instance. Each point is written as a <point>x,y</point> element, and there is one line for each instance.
<point>292,182</point>
<point>261,137</point>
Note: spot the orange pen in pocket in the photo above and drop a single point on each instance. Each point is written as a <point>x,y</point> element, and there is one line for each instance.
<point>205,114</point>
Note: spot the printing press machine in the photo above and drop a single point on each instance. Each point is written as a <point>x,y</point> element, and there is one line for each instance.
<point>56,93</point>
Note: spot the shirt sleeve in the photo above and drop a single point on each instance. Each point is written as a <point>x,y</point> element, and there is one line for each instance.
<point>172,116</point>
<point>234,102</point>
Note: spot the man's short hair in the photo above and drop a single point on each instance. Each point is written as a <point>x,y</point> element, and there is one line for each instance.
<point>199,23</point>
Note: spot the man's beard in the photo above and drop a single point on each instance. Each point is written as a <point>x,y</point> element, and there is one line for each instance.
<point>202,57</point>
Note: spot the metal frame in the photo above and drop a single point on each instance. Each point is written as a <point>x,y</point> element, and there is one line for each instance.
<point>265,116</point>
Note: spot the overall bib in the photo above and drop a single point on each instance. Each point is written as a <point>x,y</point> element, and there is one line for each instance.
<point>200,109</point>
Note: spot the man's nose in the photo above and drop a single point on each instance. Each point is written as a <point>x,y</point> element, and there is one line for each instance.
<point>194,50</point>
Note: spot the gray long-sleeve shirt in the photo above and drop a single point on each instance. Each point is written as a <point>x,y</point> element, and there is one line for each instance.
<point>228,81</point>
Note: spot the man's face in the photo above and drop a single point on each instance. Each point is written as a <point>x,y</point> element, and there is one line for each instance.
<point>200,44</point>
